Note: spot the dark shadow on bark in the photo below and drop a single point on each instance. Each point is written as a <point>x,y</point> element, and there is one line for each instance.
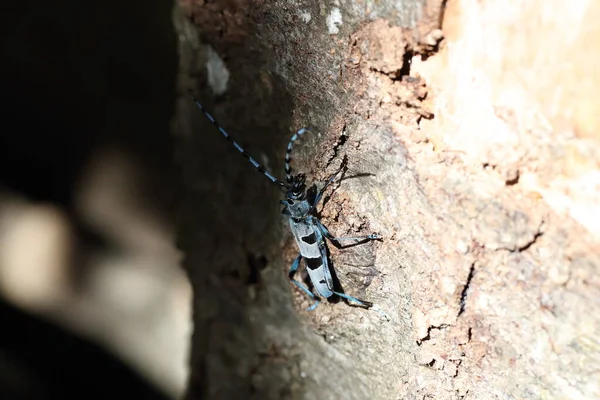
<point>232,210</point>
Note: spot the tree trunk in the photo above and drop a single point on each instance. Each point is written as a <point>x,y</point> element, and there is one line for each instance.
<point>465,152</point>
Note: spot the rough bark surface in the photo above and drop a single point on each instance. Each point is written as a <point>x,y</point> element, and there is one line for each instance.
<point>489,293</point>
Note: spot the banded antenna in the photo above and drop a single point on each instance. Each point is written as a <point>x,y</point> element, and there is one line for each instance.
<point>239,148</point>
<point>288,153</point>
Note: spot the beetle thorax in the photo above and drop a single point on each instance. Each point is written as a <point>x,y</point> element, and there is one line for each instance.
<point>298,208</point>
<point>296,203</point>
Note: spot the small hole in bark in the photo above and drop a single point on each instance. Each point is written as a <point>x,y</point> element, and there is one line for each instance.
<point>406,63</point>
<point>255,264</point>
<point>512,178</point>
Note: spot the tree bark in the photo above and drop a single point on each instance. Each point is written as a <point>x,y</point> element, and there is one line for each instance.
<point>488,291</point>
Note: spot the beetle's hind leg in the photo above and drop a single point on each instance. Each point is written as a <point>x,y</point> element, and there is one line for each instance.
<point>291,275</point>
<point>366,304</point>
<point>361,303</point>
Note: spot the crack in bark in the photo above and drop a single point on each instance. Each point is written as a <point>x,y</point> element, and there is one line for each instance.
<point>527,245</point>
<point>463,294</point>
<point>343,138</point>
<point>429,329</point>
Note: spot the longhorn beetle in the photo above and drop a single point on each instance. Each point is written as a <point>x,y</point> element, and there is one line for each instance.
<point>308,231</point>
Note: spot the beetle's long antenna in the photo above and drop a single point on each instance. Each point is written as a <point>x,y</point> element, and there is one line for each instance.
<point>288,154</point>
<point>239,148</point>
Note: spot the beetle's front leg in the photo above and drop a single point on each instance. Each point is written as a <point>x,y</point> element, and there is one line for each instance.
<point>328,235</point>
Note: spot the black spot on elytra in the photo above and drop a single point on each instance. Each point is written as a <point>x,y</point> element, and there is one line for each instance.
<point>314,263</point>
<point>310,239</point>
